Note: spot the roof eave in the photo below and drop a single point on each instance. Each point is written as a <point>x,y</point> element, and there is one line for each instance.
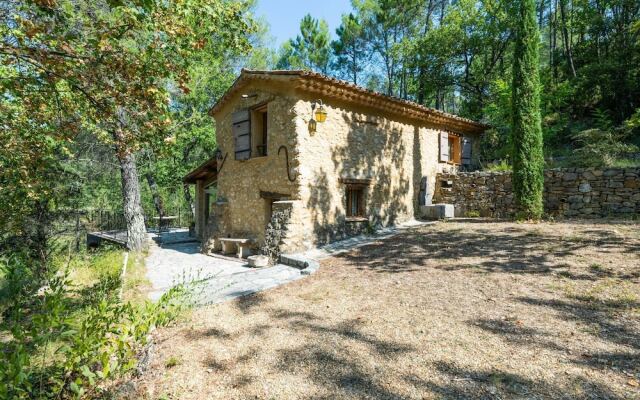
<point>317,83</point>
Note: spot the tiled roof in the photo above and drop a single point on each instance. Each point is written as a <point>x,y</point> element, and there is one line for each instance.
<point>316,83</point>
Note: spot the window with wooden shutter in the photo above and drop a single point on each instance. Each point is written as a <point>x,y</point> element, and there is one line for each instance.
<point>241,126</point>
<point>467,146</point>
<point>444,147</point>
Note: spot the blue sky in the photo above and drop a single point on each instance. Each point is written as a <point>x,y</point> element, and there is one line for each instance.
<point>284,16</point>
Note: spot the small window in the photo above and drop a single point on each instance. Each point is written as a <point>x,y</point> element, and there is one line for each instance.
<point>260,120</point>
<point>355,202</point>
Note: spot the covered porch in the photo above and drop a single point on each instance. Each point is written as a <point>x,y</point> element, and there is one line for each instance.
<point>205,178</point>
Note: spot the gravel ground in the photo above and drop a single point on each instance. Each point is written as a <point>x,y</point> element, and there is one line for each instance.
<point>466,309</point>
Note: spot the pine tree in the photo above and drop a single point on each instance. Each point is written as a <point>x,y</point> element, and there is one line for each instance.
<point>350,48</point>
<point>310,49</point>
<point>528,159</point>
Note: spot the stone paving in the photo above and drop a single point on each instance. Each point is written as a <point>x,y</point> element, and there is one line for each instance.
<point>359,241</point>
<point>175,261</point>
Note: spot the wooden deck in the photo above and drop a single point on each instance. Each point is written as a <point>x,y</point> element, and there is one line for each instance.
<point>170,236</point>
<point>94,239</point>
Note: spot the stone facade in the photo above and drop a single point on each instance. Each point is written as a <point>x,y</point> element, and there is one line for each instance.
<point>276,231</point>
<point>571,193</point>
<point>239,210</point>
<point>390,152</point>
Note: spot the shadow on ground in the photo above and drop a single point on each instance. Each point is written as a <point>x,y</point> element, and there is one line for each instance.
<point>509,249</point>
<point>323,349</point>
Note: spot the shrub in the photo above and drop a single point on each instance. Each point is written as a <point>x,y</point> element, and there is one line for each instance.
<point>63,345</point>
<point>503,165</point>
<point>600,148</point>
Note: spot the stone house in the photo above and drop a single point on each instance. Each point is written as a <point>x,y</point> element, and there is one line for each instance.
<point>333,157</point>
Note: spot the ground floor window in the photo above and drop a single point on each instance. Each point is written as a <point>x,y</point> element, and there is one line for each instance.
<point>355,201</point>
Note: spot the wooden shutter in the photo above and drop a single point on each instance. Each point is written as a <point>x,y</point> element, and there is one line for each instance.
<point>444,147</point>
<point>466,150</point>
<point>241,126</point>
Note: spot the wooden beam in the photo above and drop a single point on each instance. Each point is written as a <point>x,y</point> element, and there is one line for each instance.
<point>273,195</point>
<point>356,181</point>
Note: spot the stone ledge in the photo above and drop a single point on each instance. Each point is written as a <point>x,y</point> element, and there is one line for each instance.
<point>307,266</point>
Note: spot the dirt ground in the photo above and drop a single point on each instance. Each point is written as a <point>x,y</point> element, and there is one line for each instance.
<point>466,309</point>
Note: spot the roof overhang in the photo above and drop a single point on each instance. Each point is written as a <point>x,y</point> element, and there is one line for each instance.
<point>316,84</point>
<point>206,171</point>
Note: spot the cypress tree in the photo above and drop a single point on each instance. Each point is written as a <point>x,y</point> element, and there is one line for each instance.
<point>528,158</point>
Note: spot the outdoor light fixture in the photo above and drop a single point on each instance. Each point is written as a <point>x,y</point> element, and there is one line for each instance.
<point>312,125</point>
<point>320,113</point>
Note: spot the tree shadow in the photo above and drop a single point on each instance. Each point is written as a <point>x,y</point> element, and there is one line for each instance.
<point>388,195</point>
<point>506,249</point>
<point>469,383</point>
<point>248,302</point>
<point>609,324</point>
<point>514,332</point>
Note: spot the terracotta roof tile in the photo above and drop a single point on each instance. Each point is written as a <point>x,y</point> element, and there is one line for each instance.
<point>313,81</point>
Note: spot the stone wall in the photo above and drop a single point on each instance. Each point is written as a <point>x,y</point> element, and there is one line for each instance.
<point>572,192</point>
<point>393,154</point>
<point>240,183</point>
<point>354,143</point>
<point>276,231</point>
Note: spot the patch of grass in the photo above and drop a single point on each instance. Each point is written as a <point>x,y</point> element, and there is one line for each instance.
<point>172,362</point>
<point>576,238</point>
<point>472,214</point>
<point>626,163</point>
<point>606,294</point>
<point>502,166</point>
<point>535,233</point>
<point>86,268</point>
<point>76,331</point>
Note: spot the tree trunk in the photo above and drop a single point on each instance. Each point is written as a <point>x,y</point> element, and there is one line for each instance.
<point>541,14</point>
<point>565,35</point>
<point>185,188</point>
<point>554,41</point>
<point>189,199</point>
<point>136,230</point>
<point>155,193</point>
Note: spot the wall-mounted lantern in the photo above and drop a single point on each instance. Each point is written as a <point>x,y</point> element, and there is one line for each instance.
<point>319,115</point>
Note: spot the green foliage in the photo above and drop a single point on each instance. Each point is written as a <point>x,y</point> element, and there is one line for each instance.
<point>310,49</point>
<point>602,146</point>
<point>87,83</point>
<point>457,57</point>
<point>499,167</point>
<point>528,160</point>
<point>350,49</point>
<point>64,344</point>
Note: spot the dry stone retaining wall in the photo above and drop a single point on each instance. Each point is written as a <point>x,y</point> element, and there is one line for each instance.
<point>571,192</point>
